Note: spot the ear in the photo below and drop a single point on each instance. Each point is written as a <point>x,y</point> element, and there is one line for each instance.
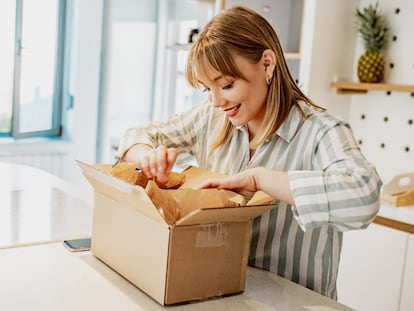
<point>269,62</point>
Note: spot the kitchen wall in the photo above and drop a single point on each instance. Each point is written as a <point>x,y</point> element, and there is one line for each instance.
<point>330,48</point>
<point>383,121</point>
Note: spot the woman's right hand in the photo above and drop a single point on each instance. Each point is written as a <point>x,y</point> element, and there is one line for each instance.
<point>154,162</point>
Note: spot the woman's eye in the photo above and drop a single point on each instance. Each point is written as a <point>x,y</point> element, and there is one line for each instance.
<point>206,90</point>
<point>227,86</point>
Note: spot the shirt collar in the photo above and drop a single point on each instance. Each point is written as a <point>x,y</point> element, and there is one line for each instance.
<point>293,122</point>
<point>291,125</point>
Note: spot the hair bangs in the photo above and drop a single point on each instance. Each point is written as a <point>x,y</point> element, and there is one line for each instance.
<point>206,56</point>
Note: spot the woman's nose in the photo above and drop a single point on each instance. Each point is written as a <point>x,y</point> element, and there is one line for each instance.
<point>216,99</point>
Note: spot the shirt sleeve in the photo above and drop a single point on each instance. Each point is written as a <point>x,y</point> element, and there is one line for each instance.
<point>342,190</point>
<point>179,131</point>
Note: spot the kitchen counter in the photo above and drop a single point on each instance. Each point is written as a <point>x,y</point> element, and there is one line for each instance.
<point>39,210</point>
<point>38,207</point>
<point>49,277</point>
<point>400,218</point>
<point>38,273</point>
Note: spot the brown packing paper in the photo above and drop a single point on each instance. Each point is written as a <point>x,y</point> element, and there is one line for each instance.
<point>196,176</point>
<point>133,175</point>
<point>126,171</point>
<point>175,204</point>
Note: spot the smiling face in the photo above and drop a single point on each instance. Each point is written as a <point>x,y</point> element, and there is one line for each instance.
<point>234,57</point>
<point>242,100</point>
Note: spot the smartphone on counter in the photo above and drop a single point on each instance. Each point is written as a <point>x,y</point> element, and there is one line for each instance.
<point>78,245</point>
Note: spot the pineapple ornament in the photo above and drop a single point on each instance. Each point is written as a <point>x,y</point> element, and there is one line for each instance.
<point>373,28</point>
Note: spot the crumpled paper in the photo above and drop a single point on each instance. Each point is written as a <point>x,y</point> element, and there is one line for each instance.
<point>175,204</point>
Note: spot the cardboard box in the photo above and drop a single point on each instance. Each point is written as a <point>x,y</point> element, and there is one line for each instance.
<point>399,191</point>
<point>202,255</point>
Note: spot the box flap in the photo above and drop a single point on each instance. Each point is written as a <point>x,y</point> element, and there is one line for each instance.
<point>226,214</point>
<point>133,196</point>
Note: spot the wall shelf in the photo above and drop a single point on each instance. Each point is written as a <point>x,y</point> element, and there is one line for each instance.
<point>292,55</point>
<point>361,88</point>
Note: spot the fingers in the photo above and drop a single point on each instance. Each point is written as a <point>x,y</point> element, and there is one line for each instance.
<point>211,183</point>
<point>229,183</point>
<point>166,160</point>
<point>145,165</point>
<point>171,158</point>
<point>241,181</point>
<point>158,163</point>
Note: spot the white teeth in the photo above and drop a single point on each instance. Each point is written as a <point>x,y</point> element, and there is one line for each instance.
<point>234,108</point>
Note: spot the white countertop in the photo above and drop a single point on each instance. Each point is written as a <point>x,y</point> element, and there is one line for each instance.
<point>49,277</point>
<point>39,210</point>
<point>403,214</point>
<point>37,207</point>
<point>45,276</point>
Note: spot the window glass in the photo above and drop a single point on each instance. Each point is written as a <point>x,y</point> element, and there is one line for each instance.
<point>38,60</point>
<point>7,24</point>
<point>31,62</point>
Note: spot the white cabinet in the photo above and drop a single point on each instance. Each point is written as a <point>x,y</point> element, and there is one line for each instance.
<point>374,272</point>
<point>407,293</point>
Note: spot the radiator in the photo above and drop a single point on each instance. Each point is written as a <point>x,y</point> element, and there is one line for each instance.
<point>52,162</point>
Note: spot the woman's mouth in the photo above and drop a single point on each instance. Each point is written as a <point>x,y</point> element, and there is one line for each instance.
<point>232,112</point>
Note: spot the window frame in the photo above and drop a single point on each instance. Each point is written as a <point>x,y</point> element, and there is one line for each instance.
<point>56,127</point>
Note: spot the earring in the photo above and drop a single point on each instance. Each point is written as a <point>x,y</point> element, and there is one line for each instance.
<point>268,81</point>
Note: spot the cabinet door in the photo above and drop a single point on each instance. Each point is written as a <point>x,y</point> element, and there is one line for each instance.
<point>371,268</point>
<point>407,295</point>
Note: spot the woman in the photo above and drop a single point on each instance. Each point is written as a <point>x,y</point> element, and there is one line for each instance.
<point>261,130</point>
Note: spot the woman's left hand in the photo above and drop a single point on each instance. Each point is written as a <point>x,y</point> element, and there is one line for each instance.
<point>243,183</point>
<point>274,183</point>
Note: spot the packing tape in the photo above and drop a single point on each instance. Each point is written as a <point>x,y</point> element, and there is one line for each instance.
<point>212,235</point>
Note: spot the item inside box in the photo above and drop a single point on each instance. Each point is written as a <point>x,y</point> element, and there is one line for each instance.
<point>133,175</point>
<point>174,204</point>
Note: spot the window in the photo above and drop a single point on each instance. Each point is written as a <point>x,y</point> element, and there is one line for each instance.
<point>31,62</point>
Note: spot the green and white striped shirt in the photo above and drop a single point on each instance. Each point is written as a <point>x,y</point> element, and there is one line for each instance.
<point>334,187</point>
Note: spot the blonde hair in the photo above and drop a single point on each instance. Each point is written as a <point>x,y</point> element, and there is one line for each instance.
<point>243,32</point>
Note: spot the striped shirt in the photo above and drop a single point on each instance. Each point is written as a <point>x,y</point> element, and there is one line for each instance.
<point>334,187</point>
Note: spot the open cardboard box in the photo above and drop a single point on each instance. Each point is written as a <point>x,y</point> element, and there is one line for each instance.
<point>202,255</point>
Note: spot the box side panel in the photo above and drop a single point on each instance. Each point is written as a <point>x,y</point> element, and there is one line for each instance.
<point>207,261</point>
<point>132,244</point>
